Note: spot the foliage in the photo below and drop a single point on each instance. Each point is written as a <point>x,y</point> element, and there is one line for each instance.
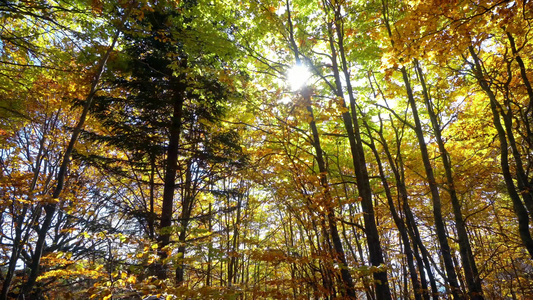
<point>432,99</point>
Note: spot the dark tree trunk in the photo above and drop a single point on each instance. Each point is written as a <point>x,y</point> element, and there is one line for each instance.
<point>400,224</point>
<point>518,206</point>
<point>467,258</point>
<point>359,163</point>
<point>348,289</point>
<point>437,208</point>
<point>51,207</point>
<point>171,169</point>
<point>412,228</point>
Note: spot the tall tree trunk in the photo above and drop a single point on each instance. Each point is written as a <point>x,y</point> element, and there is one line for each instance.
<point>437,209</point>
<point>412,228</point>
<point>210,246</point>
<point>171,168</point>
<point>338,251</point>
<point>358,158</point>
<point>348,288</point>
<point>51,207</point>
<point>152,216</point>
<point>432,183</point>
<point>233,261</point>
<point>467,258</point>
<point>518,206</point>
<point>523,73</point>
<point>19,241</point>
<point>400,224</point>
<point>188,197</point>
<point>507,115</point>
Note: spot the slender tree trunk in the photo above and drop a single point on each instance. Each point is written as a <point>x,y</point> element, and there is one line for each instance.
<point>185,216</point>
<point>467,258</point>
<point>210,247</point>
<point>151,217</point>
<point>527,115</point>
<point>359,163</point>
<point>339,256</point>
<point>523,73</point>
<point>15,254</point>
<point>51,207</point>
<point>171,169</point>
<point>18,242</point>
<point>412,227</point>
<point>417,289</point>
<point>233,262</point>
<point>518,206</point>
<point>437,209</point>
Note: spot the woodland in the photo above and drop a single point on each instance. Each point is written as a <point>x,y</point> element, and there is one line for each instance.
<point>266,149</point>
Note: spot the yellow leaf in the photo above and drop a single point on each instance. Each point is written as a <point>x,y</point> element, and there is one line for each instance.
<point>131,280</point>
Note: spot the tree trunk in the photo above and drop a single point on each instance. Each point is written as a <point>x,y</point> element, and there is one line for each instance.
<point>417,289</point>
<point>339,256</point>
<point>523,73</point>
<point>412,227</point>
<point>18,242</point>
<point>210,246</point>
<point>467,258</point>
<point>437,209</point>
<point>359,163</point>
<point>171,168</point>
<point>518,206</point>
<point>51,207</point>
<point>185,216</point>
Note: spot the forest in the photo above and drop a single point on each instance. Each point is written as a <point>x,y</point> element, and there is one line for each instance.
<point>266,149</point>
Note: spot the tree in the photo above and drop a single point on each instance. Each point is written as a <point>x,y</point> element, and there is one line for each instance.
<point>160,153</point>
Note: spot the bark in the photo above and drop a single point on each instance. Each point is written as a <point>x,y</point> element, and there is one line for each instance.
<point>19,241</point>
<point>359,163</point>
<point>523,72</point>
<point>451,277</point>
<point>522,183</point>
<point>400,224</point>
<point>210,247</point>
<point>519,208</point>
<point>435,197</point>
<point>151,216</point>
<point>171,169</point>
<point>339,255</point>
<point>233,262</point>
<point>51,207</point>
<point>467,258</point>
<point>348,289</point>
<point>186,209</point>
<point>412,228</point>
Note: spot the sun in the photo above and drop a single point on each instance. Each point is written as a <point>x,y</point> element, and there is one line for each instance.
<point>297,76</point>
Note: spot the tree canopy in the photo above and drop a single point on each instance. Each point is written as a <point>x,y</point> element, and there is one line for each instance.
<point>263,149</point>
